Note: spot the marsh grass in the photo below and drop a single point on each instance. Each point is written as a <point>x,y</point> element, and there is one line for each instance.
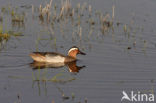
<point>68,12</point>
<point>17,16</point>
<point>45,11</point>
<point>82,21</point>
<point>6,35</point>
<point>80,24</point>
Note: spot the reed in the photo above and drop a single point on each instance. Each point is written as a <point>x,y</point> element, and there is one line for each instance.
<point>83,7</point>
<point>90,10</point>
<point>45,11</point>
<point>113,12</point>
<point>65,17</point>
<point>67,5</point>
<point>32,9</point>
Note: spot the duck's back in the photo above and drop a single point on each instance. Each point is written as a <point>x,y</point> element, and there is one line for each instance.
<point>48,57</point>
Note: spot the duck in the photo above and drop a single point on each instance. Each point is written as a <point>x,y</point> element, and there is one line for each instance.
<point>54,57</point>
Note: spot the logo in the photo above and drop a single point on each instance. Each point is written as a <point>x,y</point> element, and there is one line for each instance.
<point>137,97</point>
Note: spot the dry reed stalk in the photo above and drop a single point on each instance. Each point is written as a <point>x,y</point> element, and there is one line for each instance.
<point>32,9</point>
<point>113,12</point>
<point>90,9</point>
<point>80,31</point>
<point>73,12</point>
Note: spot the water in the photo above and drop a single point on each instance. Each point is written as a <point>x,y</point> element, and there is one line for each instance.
<point>110,67</point>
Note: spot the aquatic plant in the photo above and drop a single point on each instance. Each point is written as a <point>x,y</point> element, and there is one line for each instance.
<point>45,11</point>
<point>80,23</point>
<point>60,77</point>
<point>6,35</point>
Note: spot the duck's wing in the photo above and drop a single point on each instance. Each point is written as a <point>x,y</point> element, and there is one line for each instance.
<point>53,54</point>
<point>47,53</point>
<point>47,57</point>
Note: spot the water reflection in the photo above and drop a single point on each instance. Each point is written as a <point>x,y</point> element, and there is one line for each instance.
<point>41,79</point>
<point>72,67</point>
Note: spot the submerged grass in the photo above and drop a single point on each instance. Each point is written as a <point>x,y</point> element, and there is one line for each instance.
<point>58,78</point>
<point>17,17</point>
<point>6,35</point>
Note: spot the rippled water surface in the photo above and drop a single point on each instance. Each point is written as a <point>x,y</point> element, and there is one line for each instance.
<point>120,57</point>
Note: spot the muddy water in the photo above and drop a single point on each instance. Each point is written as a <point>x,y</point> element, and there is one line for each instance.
<point>114,62</point>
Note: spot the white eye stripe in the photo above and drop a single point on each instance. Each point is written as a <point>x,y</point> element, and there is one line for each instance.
<point>72,49</point>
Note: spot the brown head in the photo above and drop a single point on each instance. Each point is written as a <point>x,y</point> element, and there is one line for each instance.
<point>73,51</point>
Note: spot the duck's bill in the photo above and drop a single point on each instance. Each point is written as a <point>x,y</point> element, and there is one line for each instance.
<point>80,52</point>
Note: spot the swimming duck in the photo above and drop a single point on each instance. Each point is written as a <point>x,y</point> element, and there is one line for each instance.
<point>53,57</point>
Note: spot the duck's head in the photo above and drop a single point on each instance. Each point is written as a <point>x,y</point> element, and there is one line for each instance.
<point>73,51</point>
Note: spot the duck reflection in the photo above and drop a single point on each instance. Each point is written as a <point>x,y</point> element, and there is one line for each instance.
<point>71,66</point>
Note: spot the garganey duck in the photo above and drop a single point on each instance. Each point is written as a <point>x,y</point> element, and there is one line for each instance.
<point>53,57</point>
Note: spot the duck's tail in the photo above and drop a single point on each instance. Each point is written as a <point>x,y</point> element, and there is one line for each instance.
<point>38,57</point>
